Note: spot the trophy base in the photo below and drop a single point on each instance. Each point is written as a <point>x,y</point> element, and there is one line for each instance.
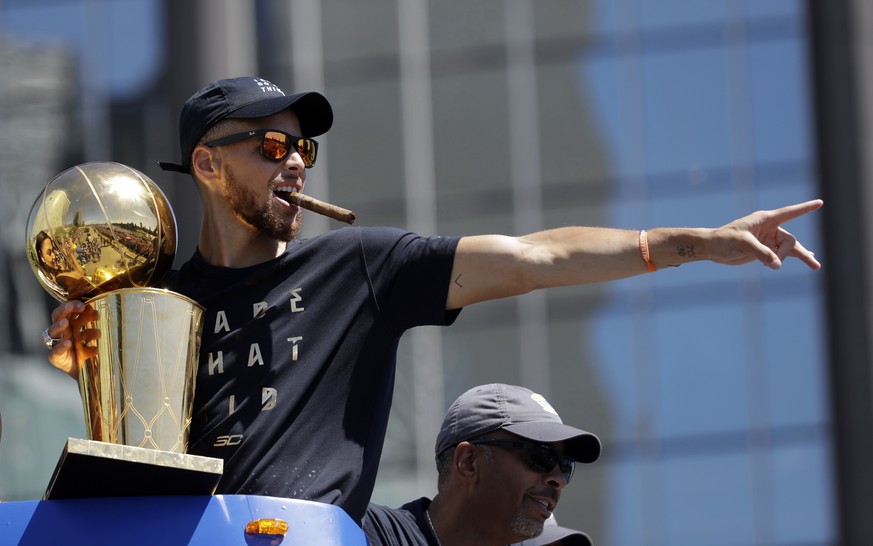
<point>88,468</point>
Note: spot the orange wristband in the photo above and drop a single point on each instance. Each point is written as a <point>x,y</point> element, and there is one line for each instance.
<point>644,250</point>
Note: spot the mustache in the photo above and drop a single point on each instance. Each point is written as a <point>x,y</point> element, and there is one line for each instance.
<point>547,493</point>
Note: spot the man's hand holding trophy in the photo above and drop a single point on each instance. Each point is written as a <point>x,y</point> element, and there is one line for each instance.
<point>105,234</point>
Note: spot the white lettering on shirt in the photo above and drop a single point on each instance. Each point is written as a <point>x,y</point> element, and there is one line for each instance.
<point>221,322</point>
<point>294,346</point>
<point>255,355</point>
<point>295,299</point>
<point>268,398</point>
<point>216,360</point>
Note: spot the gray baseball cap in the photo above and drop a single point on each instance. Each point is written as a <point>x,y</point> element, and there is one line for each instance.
<point>518,410</point>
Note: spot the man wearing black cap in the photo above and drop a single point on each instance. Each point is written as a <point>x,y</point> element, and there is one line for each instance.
<point>503,456</point>
<point>244,98</point>
<point>300,336</point>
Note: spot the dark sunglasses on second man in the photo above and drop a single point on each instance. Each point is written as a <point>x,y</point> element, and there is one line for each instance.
<point>275,144</point>
<point>540,457</point>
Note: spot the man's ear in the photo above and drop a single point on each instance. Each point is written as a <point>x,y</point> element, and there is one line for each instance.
<point>205,164</point>
<point>466,462</point>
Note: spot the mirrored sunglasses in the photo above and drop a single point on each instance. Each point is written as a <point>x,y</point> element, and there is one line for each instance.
<point>275,144</point>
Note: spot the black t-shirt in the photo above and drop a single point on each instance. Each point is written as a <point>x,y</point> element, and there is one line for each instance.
<point>404,526</point>
<point>297,358</point>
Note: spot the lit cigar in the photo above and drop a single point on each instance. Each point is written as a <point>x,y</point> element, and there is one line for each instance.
<point>331,211</point>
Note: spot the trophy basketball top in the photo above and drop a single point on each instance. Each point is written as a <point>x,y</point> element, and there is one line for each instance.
<point>98,227</point>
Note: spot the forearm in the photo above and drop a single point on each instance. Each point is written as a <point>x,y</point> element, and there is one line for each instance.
<point>578,255</point>
<point>581,255</point>
<point>494,266</point>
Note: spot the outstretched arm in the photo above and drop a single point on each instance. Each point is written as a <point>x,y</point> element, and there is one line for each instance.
<point>495,266</point>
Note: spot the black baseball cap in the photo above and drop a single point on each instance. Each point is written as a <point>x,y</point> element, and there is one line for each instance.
<point>245,98</point>
<point>518,410</point>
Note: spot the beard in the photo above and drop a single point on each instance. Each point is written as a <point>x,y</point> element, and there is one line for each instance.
<point>264,216</point>
<point>526,527</point>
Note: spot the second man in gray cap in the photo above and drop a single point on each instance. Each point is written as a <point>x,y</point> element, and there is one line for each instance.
<point>503,455</point>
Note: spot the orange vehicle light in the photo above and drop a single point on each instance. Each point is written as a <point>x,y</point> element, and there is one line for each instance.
<point>273,526</point>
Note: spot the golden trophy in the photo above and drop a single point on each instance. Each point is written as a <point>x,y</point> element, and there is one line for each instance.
<point>104,233</point>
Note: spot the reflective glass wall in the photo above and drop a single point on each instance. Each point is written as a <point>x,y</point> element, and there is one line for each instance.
<point>706,383</point>
<point>716,376</point>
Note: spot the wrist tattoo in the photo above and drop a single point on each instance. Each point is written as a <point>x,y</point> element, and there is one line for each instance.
<point>686,251</point>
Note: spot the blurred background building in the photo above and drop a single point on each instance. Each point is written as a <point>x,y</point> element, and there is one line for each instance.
<point>734,403</point>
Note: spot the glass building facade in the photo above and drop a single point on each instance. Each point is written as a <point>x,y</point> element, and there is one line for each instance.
<point>707,384</point>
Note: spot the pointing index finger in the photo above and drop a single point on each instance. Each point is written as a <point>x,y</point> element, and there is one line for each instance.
<point>790,212</point>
